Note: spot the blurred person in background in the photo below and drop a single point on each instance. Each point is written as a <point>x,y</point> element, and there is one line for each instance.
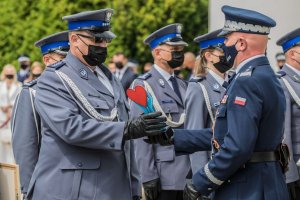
<point>112,66</point>
<point>280,59</point>
<point>9,89</point>
<point>24,72</point>
<point>147,67</point>
<point>123,71</point>
<point>189,64</point>
<point>35,71</point>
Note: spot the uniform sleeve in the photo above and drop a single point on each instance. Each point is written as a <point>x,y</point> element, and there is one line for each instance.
<point>292,174</point>
<point>134,173</point>
<point>25,137</point>
<point>196,118</point>
<point>239,141</point>
<point>143,151</point>
<point>59,111</point>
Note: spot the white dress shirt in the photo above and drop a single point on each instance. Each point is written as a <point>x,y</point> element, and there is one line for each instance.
<point>166,75</point>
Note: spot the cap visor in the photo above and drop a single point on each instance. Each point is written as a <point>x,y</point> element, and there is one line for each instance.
<point>178,43</point>
<point>105,34</point>
<point>224,33</point>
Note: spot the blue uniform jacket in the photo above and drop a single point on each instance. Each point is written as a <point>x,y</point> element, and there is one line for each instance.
<point>82,157</point>
<point>26,133</point>
<point>249,119</point>
<point>197,115</point>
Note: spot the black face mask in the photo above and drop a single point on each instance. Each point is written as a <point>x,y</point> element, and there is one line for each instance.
<point>226,61</point>
<point>177,59</point>
<point>96,54</point>
<point>35,76</point>
<point>119,65</point>
<point>9,76</point>
<point>222,66</point>
<point>24,66</point>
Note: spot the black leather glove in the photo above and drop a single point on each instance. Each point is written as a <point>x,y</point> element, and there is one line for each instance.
<point>146,125</point>
<point>136,198</point>
<point>164,139</point>
<point>152,189</point>
<point>190,192</point>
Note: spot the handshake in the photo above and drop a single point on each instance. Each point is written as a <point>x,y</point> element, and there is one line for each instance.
<point>153,126</point>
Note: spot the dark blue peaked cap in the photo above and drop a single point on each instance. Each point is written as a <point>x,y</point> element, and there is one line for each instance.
<point>97,22</point>
<point>209,40</point>
<point>57,43</point>
<point>290,40</point>
<point>246,21</point>
<point>170,35</point>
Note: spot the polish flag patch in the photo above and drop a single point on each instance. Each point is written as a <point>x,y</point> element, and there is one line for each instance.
<point>240,101</point>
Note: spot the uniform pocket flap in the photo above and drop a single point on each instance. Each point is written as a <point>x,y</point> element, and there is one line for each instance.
<point>80,164</point>
<point>98,103</point>
<point>170,107</point>
<point>165,156</point>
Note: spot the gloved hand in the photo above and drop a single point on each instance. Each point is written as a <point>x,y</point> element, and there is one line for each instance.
<point>190,192</point>
<point>164,139</point>
<point>136,198</point>
<point>146,125</point>
<point>152,189</point>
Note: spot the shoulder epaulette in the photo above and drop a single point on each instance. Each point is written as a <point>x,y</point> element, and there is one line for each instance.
<point>248,72</point>
<point>30,84</point>
<point>280,74</point>
<point>197,79</point>
<point>145,76</point>
<point>57,65</point>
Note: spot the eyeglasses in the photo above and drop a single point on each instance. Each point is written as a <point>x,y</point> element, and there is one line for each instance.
<point>95,39</point>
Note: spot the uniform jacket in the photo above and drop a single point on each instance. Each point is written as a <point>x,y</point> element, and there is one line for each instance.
<point>249,119</point>
<point>25,126</point>
<point>292,122</point>
<point>155,161</point>
<point>81,157</point>
<point>197,115</point>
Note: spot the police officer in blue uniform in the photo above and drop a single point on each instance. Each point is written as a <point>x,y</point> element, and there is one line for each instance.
<point>249,124</point>
<point>26,135</point>
<point>163,174</point>
<point>205,91</point>
<point>290,79</point>
<point>86,149</point>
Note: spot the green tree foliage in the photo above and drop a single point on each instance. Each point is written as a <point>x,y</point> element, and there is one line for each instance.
<point>24,22</point>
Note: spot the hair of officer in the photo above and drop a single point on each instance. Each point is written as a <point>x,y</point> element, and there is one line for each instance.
<point>201,62</point>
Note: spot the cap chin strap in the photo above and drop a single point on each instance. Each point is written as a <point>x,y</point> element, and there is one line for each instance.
<point>157,107</point>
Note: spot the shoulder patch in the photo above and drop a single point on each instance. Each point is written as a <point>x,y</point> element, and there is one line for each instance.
<point>145,76</point>
<point>280,74</point>
<point>30,84</point>
<point>197,79</point>
<point>57,65</point>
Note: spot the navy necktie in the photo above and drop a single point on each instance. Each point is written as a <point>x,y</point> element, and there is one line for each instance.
<point>231,77</point>
<point>175,86</point>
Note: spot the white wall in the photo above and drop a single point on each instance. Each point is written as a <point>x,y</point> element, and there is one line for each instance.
<point>285,12</point>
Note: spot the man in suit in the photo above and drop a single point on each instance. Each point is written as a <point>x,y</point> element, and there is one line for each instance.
<point>290,79</point>
<point>163,174</point>
<point>123,72</point>
<point>26,124</point>
<point>86,150</point>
